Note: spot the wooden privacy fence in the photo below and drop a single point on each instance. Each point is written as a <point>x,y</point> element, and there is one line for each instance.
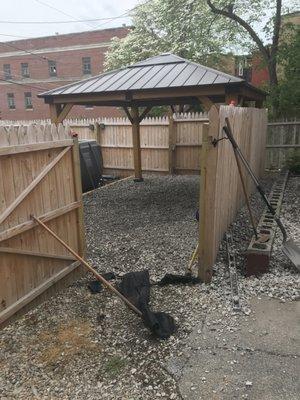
<point>283,142</point>
<point>221,193</point>
<point>169,144</point>
<point>40,175</point>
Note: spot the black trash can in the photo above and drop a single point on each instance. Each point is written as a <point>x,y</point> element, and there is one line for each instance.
<point>91,164</point>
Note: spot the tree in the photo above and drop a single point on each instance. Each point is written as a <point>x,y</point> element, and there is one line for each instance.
<point>184,27</point>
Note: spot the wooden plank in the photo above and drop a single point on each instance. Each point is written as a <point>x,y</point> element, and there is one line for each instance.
<point>172,143</point>
<point>207,199</point>
<point>78,196</point>
<point>32,185</point>
<point>13,308</point>
<point>25,148</point>
<point>11,250</point>
<point>25,226</point>
<point>136,144</point>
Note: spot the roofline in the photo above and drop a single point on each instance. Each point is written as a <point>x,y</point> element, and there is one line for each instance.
<point>127,96</point>
<point>68,34</point>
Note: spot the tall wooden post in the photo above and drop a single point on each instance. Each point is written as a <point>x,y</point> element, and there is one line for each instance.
<point>207,212</point>
<point>136,144</point>
<point>172,142</point>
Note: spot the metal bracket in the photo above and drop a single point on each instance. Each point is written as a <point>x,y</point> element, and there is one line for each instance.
<point>215,141</point>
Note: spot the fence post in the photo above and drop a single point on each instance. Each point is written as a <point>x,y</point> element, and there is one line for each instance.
<point>209,158</point>
<point>172,142</point>
<point>97,132</point>
<point>78,195</point>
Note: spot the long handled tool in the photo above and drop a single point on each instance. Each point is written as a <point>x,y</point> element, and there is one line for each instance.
<point>91,269</point>
<point>289,247</point>
<point>245,193</point>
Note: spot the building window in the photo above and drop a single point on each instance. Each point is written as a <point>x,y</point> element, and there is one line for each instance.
<point>11,101</point>
<point>25,70</point>
<point>28,101</point>
<point>7,71</point>
<point>52,68</point>
<point>86,65</point>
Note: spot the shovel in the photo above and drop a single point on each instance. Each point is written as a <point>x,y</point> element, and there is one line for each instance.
<point>289,247</point>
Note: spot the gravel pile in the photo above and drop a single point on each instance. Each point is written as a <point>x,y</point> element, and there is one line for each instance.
<point>80,345</point>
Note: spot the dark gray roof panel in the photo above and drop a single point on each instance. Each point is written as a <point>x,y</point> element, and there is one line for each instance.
<point>184,75</point>
<point>162,71</point>
<point>161,59</point>
<point>169,78</point>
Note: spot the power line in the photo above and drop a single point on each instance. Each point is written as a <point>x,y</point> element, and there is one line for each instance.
<point>24,84</point>
<point>61,22</point>
<point>60,11</point>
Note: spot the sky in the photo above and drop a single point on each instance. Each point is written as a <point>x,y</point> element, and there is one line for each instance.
<point>60,10</point>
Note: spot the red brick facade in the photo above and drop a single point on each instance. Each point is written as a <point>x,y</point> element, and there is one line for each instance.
<point>67,51</point>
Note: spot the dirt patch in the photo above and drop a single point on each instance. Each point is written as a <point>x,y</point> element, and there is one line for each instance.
<point>67,341</point>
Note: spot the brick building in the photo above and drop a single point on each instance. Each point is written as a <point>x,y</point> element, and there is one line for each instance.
<point>32,66</point>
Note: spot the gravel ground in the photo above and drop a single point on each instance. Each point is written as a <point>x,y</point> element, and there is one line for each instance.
<point>84,346</point>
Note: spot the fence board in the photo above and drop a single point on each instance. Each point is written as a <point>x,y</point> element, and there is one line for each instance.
<point>220,185</point>
<point>28,152</point>
<point>283,142</point>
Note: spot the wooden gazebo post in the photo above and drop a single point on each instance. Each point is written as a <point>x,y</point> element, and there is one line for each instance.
<point>136,141</point>
<point>135,118</point>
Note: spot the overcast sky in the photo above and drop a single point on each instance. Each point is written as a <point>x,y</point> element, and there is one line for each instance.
<point>63,10</point>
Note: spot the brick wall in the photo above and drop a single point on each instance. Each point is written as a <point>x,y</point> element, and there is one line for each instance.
<point>67,51</point>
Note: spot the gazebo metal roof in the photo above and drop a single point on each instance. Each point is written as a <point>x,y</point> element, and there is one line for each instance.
<point>165,75</point>
<point>163,71</point>
<point>165,79</point>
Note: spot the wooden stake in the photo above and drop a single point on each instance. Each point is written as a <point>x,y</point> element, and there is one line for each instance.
<point>100,278</point>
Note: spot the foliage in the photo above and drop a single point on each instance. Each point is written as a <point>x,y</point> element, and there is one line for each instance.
<point>289,86</point>
<point>183,27</point>
<point>293,163</point>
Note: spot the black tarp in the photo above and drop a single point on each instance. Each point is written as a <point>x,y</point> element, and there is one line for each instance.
<point>135,286</point>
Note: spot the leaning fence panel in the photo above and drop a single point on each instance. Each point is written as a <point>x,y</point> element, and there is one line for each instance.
<point>38,176</point>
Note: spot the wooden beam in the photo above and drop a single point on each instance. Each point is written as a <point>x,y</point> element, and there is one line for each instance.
<point>128,114</point>
<point>66,108</point>
<point>78,196</point>
<point>25,226</point>
<point>27,148</point>
<point>207,197</point>
<point>172,142</point>
<point>22,252</point>
<point>136,145</point>
<point>23,301</point>
<point>32,185</point>
<point>206,102</point>
<point>144,113</point>
<point>58,112</point>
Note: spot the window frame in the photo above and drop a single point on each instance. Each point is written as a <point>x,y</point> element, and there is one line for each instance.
<point>25,66</point>
<point>84,63</point>
<point>28,105</point>
<point>7,71</point>
<point>11,98</point>
<point>52,65</point>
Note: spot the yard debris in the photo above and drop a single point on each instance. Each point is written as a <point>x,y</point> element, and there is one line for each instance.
<point>135,286</point>
<point>137,227</point>
<point>173,279</point>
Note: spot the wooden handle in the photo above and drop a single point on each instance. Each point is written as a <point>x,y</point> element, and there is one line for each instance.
<point>100,278</point>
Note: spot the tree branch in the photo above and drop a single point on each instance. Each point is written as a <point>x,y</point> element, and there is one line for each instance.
<point>234,17</point>
<point>277,25</point>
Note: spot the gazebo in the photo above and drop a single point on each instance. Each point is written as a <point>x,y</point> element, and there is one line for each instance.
<point>165,79</point>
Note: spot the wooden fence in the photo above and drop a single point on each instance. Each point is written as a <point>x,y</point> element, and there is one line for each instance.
<point>283,141</point>
<point>40,175</point>
<point>168,145</point>
<point>221,191</point>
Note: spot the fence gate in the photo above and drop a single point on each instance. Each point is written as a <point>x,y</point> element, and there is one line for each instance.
<point>40,175</point>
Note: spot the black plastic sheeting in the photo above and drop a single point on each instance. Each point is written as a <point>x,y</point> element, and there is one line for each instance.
<point>135,286</point>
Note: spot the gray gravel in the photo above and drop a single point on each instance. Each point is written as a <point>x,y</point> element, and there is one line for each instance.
<point>83,346</point>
